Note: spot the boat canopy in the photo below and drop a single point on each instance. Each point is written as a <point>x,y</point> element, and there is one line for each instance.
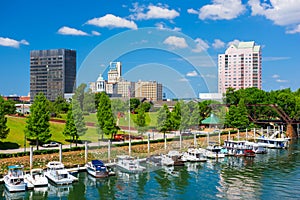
<point>97,163</point>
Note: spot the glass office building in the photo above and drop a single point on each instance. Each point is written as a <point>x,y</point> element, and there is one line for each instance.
<point>52,72</point>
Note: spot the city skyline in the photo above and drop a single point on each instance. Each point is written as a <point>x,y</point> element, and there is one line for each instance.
<point>211,24</point>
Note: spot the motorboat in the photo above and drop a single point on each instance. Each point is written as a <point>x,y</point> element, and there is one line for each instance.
<point>176,157</point>
<point>155,160</point>
<point>97,169</point>
<point>275,141</point>
<point>129,165</point>
<point>193,155</point>
<point>214,152</point>
<point>14,179</point>
<point>166,160</point>
<point>36,177</point>
<point>57,173</point>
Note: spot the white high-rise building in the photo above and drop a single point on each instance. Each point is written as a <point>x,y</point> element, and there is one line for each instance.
<point>240,67</point>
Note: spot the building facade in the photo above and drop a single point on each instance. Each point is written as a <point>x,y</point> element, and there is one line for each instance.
<point>52,72</point>
<point>240,67</point>
<point>150,90</point>
<point>126,88</point>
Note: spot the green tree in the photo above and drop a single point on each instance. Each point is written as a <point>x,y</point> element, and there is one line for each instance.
<point>105,117</point>
<point>78,120</point>
<point>176,116</point>
<point>37,124</point>
<point>79,94</point>
<point>237,116</point>
<point>89,102</point>
<point>4,130</point>
<point>70,127</point>
<point>140,119</point>
<point>60,105</point>
<point>164,122</point>
<point>8,107</point>
<point>185,117</point>
<point>134,104</point>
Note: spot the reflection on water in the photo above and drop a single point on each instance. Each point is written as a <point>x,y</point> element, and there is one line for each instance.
<point>275,175</point>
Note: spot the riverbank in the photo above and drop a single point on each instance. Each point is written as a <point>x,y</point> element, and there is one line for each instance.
<point>77,158</point>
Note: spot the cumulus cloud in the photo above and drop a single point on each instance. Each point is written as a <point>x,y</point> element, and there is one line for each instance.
<point>96,33</point>
<point>275,76</point>
<point>282,13</point>
<point>201,45</point>
<point>112,21</point>
<point>71,31</point>
<point>294,30</point>
<point>192,74</point>
<point>281,81</point>
<point>222,9</point>
<point>176,42</point>
<point>8,42</point>
<point>153,12</point>
<point>193,11</point>
<point>162,26</point>
<point>234,42</point>
<point>218,44</point>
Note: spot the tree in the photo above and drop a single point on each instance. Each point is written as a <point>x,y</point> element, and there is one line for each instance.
<point>60,105</point>
<point>237,116</point>
<point>8,107</point>
<point>70,127</point>
<point>164,122</point>
<point>105,117</point>
<point>140,119</point>
<point>37,124</point>
<point>176,116</point>
<point>89,102</point>
<point>78,120</point>
<point>134,104</point>
<point>4,130</point>
<point>79,94</point>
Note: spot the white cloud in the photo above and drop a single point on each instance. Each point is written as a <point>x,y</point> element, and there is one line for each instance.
<point>218,44</point>
<point>282,13</point>
<point>281,81</point>
<point>222,9</point>
<point>192,11</point>
<point>162,26</point>
<point>96,33</point>
<point>153,12</point>
<point>176,42</point>
<point>8,42</point>
<point>112,21</point>
<point>294,30</point>
<point>200,45</point>
<point>275,76</point>
<point>192,74</point>
<point>70,31</point>
<point>275,58</point>
<point>183,80</point>
<point>234,42</point>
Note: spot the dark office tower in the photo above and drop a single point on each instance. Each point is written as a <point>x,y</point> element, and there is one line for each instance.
<point>52,72</point>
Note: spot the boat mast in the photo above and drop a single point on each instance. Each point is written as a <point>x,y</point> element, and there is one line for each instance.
<point>129,122</point>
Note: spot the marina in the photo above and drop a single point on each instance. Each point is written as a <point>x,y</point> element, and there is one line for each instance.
<point>228,178</point>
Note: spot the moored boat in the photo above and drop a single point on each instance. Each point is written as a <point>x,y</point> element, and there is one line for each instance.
<point>14,180</point>
<point>57,173</point>
<point>129,165</point>
<point>37,178</point>
<point>97,169</point>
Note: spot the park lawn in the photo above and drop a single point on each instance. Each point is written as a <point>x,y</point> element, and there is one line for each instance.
<point>17,126</point>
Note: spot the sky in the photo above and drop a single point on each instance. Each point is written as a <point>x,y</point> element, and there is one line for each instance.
<point>174,42</point>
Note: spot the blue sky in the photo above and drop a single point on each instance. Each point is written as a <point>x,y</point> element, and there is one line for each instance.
<point>204,28</point>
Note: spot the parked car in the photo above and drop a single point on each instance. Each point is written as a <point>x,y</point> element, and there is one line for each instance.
<point>51,144</point>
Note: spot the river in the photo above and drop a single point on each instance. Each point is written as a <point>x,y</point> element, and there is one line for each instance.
<point>275,175</point>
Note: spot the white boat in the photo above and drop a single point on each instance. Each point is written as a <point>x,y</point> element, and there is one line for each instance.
<point>257,148</point>
<point>129,165</point>
<point>213,152</point>
<point>97,169</point>
<point>193,155</point>
<point>166,160</point>
<point>175,156</point>
<point>272,143</point>
<point>37,178</point>
<point>14,180</point>
<point>57,173</point>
